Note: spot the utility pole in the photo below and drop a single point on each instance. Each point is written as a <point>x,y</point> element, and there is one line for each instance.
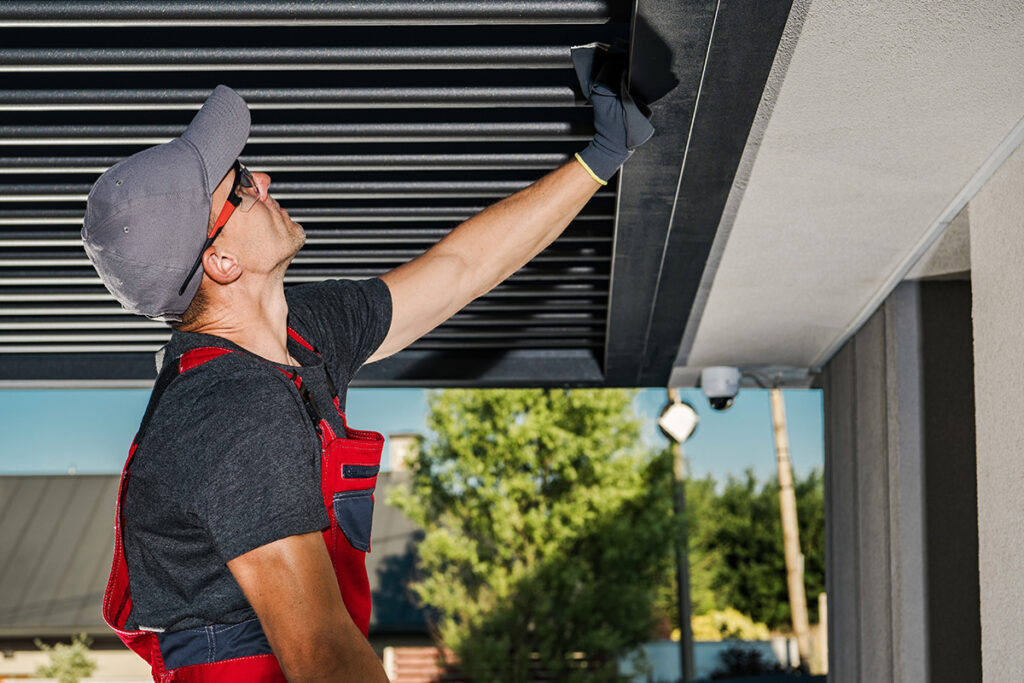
<point>790,531</point>
<point>677,422</point>
<point>683,569</point>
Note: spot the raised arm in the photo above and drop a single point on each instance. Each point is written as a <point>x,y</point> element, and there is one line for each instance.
<point>483,251</point>
<point>480,253</point>
<point>292,587</point>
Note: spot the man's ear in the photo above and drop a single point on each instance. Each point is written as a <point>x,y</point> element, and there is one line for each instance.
<point>221,266</point>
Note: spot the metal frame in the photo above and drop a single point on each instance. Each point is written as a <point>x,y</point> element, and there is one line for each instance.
<point>78,13</point>
<point>721,51</point>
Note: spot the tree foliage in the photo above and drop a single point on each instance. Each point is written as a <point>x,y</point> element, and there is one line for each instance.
<point>728,624</point>
<point>735,545</point>
<point>548,530</point>
<point>69,663</point>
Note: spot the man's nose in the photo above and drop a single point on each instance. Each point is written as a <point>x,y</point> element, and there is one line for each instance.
<point>262,181</point>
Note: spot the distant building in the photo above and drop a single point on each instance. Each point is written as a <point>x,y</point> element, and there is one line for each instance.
<point>56,545</point>
<point>401,449</point>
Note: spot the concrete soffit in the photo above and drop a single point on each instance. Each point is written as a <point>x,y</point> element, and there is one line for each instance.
<point>787,45</point>
<point>681,375</point>
<point>855,177</point>
<point>923,250</point>
<point>949,257</point>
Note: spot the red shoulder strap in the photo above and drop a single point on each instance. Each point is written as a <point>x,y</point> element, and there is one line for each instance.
<point>330,381</point>
<point>295,335</point>
<point>193,358</point>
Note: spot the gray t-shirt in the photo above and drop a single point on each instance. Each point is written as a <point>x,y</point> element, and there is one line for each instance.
<point>230,460</point>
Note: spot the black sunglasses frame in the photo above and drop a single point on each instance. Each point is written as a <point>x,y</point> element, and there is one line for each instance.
<point>243,178</point>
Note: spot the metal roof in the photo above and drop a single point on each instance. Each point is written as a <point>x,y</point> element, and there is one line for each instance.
<point>383,124</point>
<point>57,541</point>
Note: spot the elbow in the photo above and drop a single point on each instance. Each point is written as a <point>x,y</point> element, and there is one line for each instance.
<point>331,655</point>
<point>470,280</point>
<point>311,658</point>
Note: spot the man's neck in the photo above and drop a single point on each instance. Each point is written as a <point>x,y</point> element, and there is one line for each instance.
<point>257,323</point>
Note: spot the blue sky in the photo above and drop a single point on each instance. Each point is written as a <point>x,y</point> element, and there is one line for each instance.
<point>89,430</point>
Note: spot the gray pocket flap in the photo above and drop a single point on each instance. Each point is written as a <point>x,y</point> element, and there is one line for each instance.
<point>354,512</point>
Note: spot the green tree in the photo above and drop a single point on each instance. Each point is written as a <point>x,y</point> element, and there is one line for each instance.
<point>700,497</point>
<point>704,562</point>
<point>548,530</point>
<point>736,545</point>
<point>68,662</point>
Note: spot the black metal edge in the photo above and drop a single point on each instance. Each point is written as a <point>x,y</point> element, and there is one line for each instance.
<point>667,220</point>
<point>482,369</point>
<point>742,51</point>
<point>75,368</point>
<point>773,84</point>
<point>409,368</point>
<point>647,183</point>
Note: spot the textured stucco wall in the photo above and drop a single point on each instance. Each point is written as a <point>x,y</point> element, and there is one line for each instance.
<point>901,543</point>
<point>997,273</point>
<point>886,112</point>
<point>950,257</point>
<point>864,576</point>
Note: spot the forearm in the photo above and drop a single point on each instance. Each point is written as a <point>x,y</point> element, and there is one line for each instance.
<point>501,239</point>
<point>350,662</point>
<point>489,247</point>
<point>292,587</point>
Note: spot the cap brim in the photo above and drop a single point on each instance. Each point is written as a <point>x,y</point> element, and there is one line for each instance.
<point>219,132</point>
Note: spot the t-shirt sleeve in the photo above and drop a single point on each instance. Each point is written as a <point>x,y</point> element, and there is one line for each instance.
<point>346,320</point>
<point>257,480</point>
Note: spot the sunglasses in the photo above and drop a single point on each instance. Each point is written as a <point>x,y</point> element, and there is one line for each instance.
<point>236,202</point>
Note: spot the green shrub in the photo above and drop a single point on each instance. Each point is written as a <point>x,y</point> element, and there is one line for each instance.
<point>69,663</point>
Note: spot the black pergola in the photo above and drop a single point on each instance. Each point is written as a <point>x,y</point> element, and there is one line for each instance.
<point>383,124</point>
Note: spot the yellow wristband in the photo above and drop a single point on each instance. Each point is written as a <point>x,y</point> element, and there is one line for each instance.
<point>592,174</point>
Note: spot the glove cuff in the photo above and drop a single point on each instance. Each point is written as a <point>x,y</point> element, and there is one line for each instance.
<point>600,161</point>
<point>589,170</point>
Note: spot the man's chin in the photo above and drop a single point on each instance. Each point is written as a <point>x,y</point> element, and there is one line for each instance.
<point>298,239</point>
<point>299,234</point>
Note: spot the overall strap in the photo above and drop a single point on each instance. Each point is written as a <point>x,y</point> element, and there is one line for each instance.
<point>189,360</point>
<point>330,381</point>
<point>193,358</point>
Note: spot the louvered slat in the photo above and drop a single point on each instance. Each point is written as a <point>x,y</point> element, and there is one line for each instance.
<point>383,124</point>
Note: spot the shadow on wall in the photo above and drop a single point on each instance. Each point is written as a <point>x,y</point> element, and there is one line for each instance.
<point>395,606</point>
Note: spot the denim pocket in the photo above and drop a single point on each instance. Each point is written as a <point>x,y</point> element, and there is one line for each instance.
<point>213,643</point>
<point>354,512</point>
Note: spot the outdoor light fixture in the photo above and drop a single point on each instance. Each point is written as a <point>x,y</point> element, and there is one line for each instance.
<point>678,420</point>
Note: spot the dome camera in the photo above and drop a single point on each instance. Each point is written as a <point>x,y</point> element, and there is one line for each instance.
<point>720,385</point>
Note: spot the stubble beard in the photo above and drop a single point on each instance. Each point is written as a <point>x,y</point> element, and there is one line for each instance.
<point>297,237</point>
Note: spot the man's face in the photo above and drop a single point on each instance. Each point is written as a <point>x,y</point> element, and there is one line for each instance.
<point>265,238</point>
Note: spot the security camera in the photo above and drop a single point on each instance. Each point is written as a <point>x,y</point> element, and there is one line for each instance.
<point>720,384</point>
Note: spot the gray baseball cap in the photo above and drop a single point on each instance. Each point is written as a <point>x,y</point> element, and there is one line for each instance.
<point>147,216</point>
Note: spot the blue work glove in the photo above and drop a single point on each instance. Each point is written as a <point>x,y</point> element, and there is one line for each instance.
<point>621,123</point>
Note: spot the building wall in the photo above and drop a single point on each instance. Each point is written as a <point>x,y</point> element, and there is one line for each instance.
<point>901,544</point>
<point>997,263</point>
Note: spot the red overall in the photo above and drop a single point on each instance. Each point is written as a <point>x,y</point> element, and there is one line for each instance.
<point>348,468</point>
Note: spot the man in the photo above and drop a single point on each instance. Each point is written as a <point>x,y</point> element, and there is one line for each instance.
<point>245,506</point>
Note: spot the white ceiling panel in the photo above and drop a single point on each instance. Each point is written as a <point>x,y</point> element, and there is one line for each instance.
<point>887,111</point>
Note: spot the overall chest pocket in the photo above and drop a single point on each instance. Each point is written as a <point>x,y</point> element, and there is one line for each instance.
<point>354,512</point>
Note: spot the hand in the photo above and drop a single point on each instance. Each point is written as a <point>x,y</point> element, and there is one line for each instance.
<point>621,123</point>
